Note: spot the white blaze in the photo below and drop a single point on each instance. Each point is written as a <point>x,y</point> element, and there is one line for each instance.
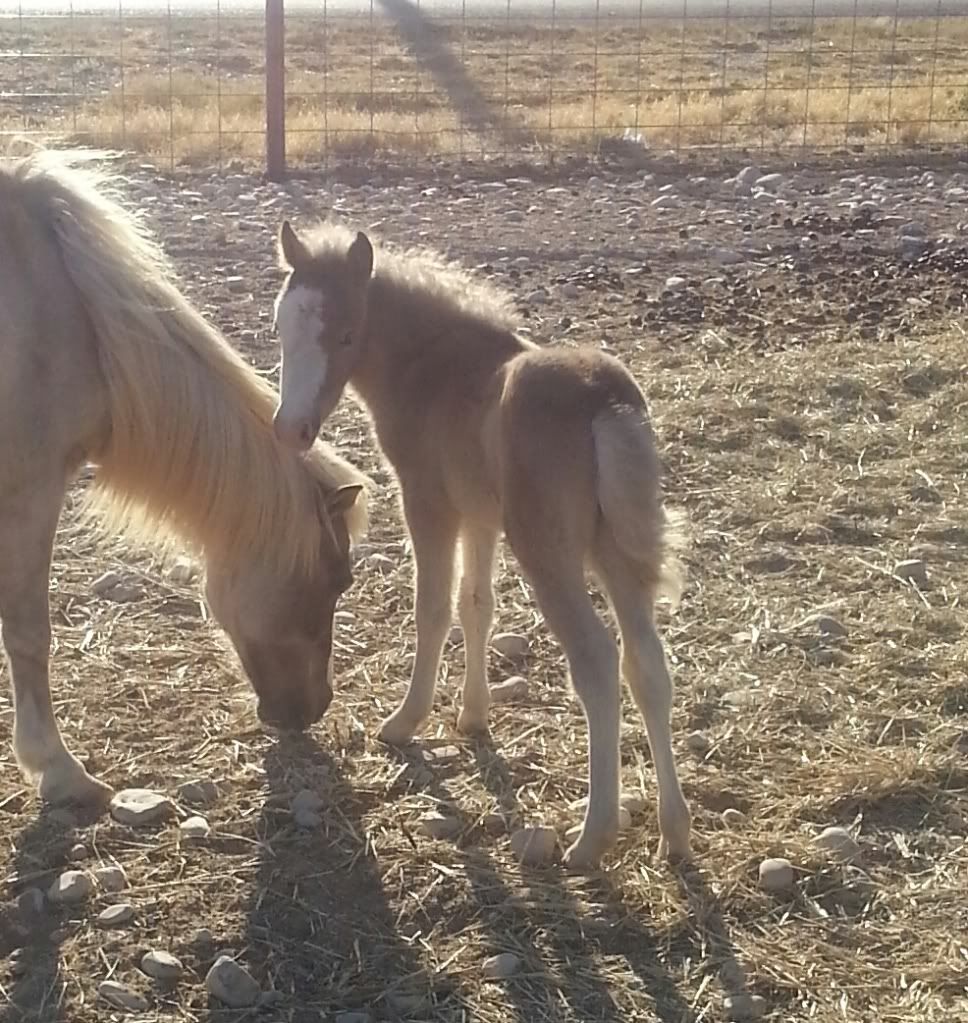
<point>299,322</point>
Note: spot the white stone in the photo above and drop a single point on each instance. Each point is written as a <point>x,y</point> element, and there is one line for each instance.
<point>534,846</point>
<point>306,819</point>
<point>501,966</point>
<point>733,818</point>
<point>438,826</point>
<point>201,792</point>
<point>511,690</point>
<point>162,965</point>
<point>632,802</point>
<point>118,915</point>
<point>110,879</point>
<point>183,571</point>
<point>71,887</point>
<point>913,571</point>
<point>675,283</point>
<point>776,874</point>
<point>306,799</point>
<point>744,1006</point>
<point>195,828</point>
<point>122,997</point>
<point>139,807</point>
<point>698,743</point>
<point>231,984</point>
<point>511,645</point>
<point>828,626</point>
<point>838,843</point>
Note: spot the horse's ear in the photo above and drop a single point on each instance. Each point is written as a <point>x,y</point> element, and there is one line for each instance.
<point>360,257</point>
<point>292,252</point>
<point>342,499</point>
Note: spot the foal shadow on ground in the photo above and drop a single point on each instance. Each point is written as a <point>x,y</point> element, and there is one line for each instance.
<point>564,944</point>
<point>40,853</point>
<point>321,933</point>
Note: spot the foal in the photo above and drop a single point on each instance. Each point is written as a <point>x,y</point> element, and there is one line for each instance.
<point>487,432</point>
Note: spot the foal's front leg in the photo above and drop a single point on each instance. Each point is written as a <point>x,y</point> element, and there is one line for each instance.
<point>433,533</point>
<point>476,607</point>
<point>28,521</point>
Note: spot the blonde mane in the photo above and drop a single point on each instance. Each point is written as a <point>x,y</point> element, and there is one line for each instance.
<point>422,273</point>
<point>191,450</point>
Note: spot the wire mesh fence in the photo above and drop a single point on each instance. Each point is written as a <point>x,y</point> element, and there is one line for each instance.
<point>414,80</point>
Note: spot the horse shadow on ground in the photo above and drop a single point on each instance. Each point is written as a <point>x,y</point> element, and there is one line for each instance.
<point>33,936</point>
<point>321,932</point>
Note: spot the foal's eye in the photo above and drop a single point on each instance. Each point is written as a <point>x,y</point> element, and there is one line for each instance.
<point>347,340</point>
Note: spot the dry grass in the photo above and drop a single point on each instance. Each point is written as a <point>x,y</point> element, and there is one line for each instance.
<point>191,90</point>
<point>806,473</point>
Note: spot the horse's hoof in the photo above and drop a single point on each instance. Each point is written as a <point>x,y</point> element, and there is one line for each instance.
<point>586,854</point>
<point>58,787</point>
<point>395,732</point>
<point>473,725</point>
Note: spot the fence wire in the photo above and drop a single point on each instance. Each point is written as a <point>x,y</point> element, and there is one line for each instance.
<point>405,80</point>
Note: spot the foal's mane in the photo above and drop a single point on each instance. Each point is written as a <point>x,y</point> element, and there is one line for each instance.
<point>420,277</point>
<point>191,449</point>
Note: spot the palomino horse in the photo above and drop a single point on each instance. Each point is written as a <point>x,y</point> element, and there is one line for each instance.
<point>488,432</point>
<point>102,359</point>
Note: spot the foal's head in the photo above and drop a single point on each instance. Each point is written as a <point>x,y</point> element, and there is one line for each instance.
<point>281,623</point>
<point>320,314</point>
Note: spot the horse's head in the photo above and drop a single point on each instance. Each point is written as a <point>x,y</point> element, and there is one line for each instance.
<point>320,315</point>
<point>281,622</point>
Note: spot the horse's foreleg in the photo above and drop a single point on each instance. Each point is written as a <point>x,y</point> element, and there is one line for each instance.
<point>28,520</point>
<point>433,532</point>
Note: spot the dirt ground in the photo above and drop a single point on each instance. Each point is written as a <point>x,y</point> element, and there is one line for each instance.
<point>804,360</point>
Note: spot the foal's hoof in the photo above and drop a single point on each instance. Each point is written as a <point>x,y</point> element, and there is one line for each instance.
<point>58,786</point>
<point>586,854</point>
<point>473,725</point>
<point>397,732</point>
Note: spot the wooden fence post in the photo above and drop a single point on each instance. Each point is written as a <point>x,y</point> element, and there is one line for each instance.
<point>275,90</point>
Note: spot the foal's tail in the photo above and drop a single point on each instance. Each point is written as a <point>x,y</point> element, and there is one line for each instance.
<point>628,493</point>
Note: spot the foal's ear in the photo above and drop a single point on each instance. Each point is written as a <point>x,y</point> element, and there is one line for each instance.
<point>292,252</point>
<point>360,257</point>
<point>342,499</point>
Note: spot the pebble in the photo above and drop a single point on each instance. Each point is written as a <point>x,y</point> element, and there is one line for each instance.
<point>511,645</point>
<point>439,826</point>
<point>538,297</point>
<point>534,846</point>
<point>830,627</point>
<point>162,965</point>
<point>570,291</point>
<point>201,792</point>
<point>140,807</point>
<point>78,852</point>
<point>231,984</point>
<point>183,571</point>
<point>195,828</point>
<point>122,997</point>
<point>769,180</point>
<point>306,799</point>
<point>839,843</point>
<point>733,818</point>
<point>914,571</point>
<point>381,563</point>
<point>353,1016</point>
<point>776,874</point>
<point>744,1006</point>
<point>19,962</point>
<point>511,690</point>
<point>306,819</point>
<point>71,887</point>
<point>110,879</point>
<point>698,743</point>
<point>31,901</point>
<point>632,802</point>
<point>675,283</point>
<point>116,916</point>
<point>501,966</point>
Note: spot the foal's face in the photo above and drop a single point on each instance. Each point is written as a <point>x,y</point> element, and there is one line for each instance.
<point>281,624</point>
<point>320,314</point>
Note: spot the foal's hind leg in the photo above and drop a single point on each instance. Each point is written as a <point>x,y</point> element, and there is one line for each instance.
<point>644,668</point>
<point>27,525</point>
<point>593,661</point>
<point>433,532</point>
<point>476,607</point>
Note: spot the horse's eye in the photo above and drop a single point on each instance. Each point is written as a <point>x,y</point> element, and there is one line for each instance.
<point>347,341</point>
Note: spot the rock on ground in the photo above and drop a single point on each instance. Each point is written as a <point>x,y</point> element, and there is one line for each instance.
<point>232,984</point>
<point>140,807</point>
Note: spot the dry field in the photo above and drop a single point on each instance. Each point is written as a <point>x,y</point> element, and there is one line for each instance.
<point>811,408</point>
<point>190,89</point>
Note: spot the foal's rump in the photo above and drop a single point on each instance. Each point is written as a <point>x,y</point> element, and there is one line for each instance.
<point>580,471</point>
